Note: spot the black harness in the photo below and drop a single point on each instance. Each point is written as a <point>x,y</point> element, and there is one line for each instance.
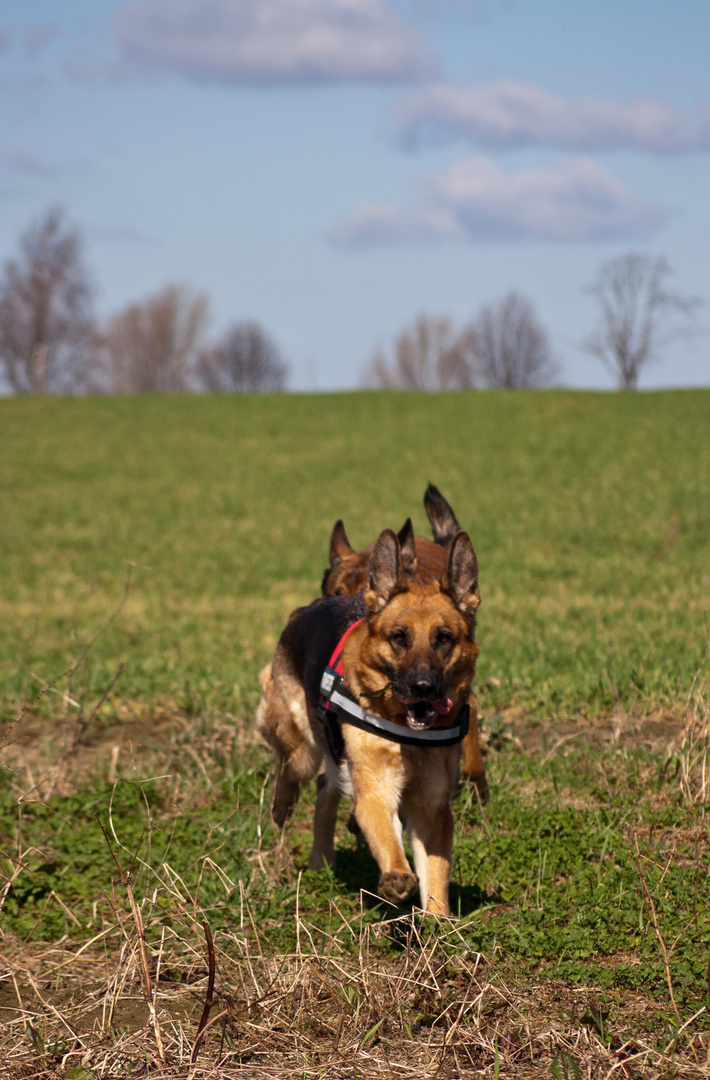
<point>336,705</point>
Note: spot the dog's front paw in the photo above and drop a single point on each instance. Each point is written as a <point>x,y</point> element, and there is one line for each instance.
<point>396,887</point>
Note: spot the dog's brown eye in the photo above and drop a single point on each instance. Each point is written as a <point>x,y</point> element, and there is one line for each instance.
<point>399,637</point>
<point>444,637</point>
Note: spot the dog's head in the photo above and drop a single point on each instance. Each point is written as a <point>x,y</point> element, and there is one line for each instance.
<point>421,638</point>
<point>422,561</point>
<point>347,573</point>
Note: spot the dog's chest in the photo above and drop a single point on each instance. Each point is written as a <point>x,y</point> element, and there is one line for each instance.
<point>371,762</point>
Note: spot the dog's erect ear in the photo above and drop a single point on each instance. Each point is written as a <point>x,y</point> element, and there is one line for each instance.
<point>406,543</point>
<point>339,544</point>
<point>385,573</point>
<point>460,578</point>
<point>442,519</point>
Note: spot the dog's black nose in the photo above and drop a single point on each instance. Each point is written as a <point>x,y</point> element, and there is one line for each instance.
<point>423,684</point>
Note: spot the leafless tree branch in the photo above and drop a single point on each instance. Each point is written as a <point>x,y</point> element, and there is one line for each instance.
<point>427,355</point>
<point>152,345</point>
<point>246,361</point>
<point>46,322</point>
<point>639,316</point>
<point>512,347</point>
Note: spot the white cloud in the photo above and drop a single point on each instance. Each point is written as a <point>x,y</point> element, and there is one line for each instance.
<point>374,224</point>
<point>507,115</point>
<point>473,200</point>
<point>261,42</point>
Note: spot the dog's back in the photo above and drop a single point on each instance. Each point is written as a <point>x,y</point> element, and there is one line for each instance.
<point>310,636</point>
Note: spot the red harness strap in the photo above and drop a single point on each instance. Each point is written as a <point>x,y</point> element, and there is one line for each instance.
<point>336,660</point>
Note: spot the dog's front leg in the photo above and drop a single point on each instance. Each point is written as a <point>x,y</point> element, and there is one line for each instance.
<point>431,831</point>
<point>382,829</point>
<point>377,814</point>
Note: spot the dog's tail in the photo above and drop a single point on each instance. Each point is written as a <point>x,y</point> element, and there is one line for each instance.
<point>444,525</point>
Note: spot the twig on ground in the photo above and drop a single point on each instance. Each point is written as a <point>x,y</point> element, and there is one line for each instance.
<point>79,734</point>
<point>148,993</point>
<point>209,996</point>
<point>654,922</point>
<point>143,968</point>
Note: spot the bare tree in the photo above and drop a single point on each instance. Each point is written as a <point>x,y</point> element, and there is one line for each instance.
<point>428,355</point>
<point>512,347</point>
<point>152,345</point>
<point>46,321</point>
<point>638,316</point>
<point>246,361</point>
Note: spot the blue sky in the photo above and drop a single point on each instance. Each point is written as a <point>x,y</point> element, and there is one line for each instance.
<point>332,168</point>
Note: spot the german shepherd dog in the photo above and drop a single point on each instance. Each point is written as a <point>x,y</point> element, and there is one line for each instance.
<point>423,562</point>
<point>408,653</point>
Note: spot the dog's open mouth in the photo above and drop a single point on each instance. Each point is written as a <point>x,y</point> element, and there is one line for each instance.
<point>422,714</point>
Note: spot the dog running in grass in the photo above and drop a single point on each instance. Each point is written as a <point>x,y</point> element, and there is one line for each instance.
<point>376,685</point>
<point>424,562</point>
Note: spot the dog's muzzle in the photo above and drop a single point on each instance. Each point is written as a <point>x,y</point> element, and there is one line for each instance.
<point>421,715</point>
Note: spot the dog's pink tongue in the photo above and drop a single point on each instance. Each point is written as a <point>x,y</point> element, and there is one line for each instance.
<point>443,706</point>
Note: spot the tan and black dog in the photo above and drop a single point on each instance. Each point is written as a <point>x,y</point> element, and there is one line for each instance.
<point>386,714</point>
<point>423,561</point>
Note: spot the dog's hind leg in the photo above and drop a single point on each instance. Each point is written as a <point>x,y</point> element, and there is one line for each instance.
<point>327,801</point>
<point>283,721</point>
<point>474,771</point>
<point>298,760</point>
<point>285,793</point>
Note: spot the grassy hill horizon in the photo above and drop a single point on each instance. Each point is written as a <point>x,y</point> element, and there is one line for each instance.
<point>589,512</point>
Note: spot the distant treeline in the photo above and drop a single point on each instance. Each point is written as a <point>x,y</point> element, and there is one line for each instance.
<point>51,342</point>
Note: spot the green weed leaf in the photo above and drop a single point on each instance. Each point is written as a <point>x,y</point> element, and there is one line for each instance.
<point>373,1031</point>
<point>35,1038</point>
<point>564,1067</point>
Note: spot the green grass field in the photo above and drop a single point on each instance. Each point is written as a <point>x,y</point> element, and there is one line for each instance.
<point>590,515</point>
<point>155,547</point>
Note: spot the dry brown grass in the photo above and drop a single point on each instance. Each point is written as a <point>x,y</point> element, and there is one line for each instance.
<point>340,1005</point>
<point>434,1010</point>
